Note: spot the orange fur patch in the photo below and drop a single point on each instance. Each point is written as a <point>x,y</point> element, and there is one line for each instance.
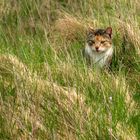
<point>98,38</point>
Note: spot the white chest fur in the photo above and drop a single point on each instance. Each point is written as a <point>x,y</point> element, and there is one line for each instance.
<point>97,58</point>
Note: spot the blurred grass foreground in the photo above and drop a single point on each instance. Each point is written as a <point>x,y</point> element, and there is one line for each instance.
<point>46,89</point>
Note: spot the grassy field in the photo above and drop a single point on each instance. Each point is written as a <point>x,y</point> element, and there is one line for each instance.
<point>46,89</point>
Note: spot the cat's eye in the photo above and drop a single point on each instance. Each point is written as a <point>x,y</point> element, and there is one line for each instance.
<point>102,42</point>
<point>91,42</point>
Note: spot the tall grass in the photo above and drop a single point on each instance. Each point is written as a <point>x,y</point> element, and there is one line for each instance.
<point>46,89</point>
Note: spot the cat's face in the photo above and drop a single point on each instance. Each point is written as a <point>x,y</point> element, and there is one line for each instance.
<point>99,40</point>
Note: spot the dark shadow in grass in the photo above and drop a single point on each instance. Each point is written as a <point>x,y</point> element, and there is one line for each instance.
<point>124,57</point>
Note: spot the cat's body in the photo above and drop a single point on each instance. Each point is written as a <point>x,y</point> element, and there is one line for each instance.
<point>102,59</point>
<point>99,49</point>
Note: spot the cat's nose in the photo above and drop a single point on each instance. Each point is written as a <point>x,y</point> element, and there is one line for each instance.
<point>97,48</point>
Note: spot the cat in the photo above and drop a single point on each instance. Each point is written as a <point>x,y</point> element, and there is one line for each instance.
<point>98,49</point>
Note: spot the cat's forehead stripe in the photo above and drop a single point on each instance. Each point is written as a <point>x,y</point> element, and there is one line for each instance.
<point>98,37</point>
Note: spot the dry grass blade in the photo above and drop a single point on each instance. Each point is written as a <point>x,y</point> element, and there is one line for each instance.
<point>131,33</point>
<point>70,28</point>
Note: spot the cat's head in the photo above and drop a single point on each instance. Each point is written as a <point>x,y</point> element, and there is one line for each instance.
<point>99,40</point>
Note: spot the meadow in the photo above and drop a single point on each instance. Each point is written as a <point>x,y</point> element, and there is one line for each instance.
<point>47,91</point>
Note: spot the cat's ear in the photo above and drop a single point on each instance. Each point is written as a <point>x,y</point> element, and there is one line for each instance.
<point>109,31</point>
<point>90,30</point>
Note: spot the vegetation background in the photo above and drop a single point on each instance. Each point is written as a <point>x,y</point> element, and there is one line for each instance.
<point>46,89</point>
